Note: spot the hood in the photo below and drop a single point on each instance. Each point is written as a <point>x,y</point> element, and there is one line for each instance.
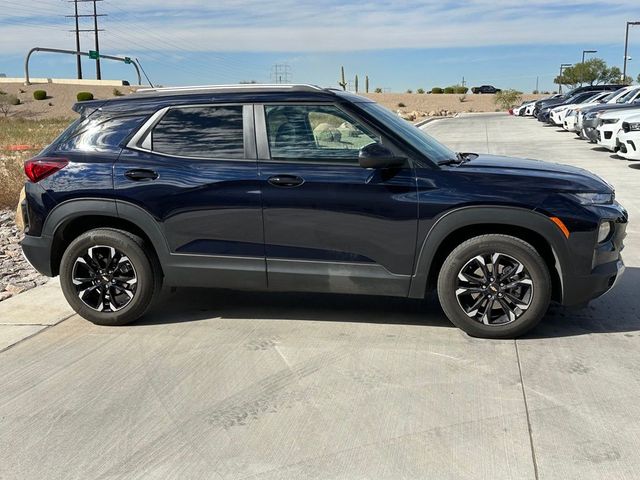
<point>611,106</point>
<point>621,113</point>
<point>547,174</point>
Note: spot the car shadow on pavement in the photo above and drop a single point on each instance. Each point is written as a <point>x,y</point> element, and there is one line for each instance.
<point>635,166</point>
<point>616,312</point>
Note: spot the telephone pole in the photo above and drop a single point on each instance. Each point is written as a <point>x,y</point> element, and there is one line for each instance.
<point>95,30</point>
<point>77,32</point>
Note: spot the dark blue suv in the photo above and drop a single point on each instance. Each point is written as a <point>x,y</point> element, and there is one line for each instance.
<point>299,188</point>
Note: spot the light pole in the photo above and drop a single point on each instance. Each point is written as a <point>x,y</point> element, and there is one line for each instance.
<point>562,67</point>
<point>587,51</point>
<point>626,45</point>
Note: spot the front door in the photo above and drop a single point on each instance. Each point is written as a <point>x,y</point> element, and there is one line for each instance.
<point>329,224</point>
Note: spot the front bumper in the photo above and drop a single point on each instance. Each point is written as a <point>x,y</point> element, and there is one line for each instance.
<point>628,145</point>
<point>606,135</point>
<point>594,270</point>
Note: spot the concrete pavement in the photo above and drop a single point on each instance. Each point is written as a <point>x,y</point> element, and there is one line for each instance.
<point>235,385</point>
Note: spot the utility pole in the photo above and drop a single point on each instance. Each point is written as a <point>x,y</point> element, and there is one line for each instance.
<point>537,89</point>
<point>77,32</point>
<point>562,67</point>
<point>95,30</point>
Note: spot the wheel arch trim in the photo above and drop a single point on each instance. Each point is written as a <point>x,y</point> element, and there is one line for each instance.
<point>458,219</point>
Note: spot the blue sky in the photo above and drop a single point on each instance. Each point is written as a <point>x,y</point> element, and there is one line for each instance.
<point>400,44</point>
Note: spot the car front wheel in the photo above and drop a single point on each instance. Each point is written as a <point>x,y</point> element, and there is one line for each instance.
<point>108,277</point>
<point>494,286</point>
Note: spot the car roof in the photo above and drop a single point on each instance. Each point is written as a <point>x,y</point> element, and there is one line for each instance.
<point>152,98</point>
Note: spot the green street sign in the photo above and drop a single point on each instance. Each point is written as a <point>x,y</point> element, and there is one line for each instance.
<point>127,60</point>
<point>93,55</point>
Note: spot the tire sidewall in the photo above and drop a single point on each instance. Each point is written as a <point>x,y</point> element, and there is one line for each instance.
<point>516,248</point>
<point>134,251</point>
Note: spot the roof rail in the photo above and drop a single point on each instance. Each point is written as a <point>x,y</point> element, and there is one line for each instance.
<point>238,86</point>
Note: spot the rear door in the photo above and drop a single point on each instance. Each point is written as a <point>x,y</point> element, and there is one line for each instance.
<point>193,169</point>
<point>331,225</point>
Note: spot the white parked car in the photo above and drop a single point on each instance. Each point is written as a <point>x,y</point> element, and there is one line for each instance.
<point>628,141</point>
<point>566,115</point>
<point>610,124</point>
<point>619,97</point>
<point>521,110</point>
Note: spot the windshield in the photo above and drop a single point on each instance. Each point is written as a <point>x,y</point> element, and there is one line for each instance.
<point>627,96</point>
<point>414,136</point>
<point>611,96</point>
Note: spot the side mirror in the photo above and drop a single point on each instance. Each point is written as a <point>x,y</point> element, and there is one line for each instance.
<point>375,155</point>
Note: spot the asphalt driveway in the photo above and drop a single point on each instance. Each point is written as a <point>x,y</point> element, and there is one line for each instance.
<point>231,385</point>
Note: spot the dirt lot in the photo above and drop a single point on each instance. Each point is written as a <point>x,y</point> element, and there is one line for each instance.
<point>59,102</point>
<point>436,103</point>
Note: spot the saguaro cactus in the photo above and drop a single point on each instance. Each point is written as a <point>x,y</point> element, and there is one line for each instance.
<point>342,82</point>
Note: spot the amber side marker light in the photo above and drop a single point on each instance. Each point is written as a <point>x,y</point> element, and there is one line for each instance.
<point>561,226</point>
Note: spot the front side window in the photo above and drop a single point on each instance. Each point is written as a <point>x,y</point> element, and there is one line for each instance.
<point>204,132</point>
<point>321,133</point>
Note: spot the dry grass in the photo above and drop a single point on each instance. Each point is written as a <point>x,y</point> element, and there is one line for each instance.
<point>19,131</point>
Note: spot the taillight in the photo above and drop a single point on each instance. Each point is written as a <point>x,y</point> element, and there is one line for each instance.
<point>38,168</point>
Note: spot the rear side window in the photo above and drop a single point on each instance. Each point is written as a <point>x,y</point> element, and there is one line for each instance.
<point>203,132</point>
<point>99,132</point>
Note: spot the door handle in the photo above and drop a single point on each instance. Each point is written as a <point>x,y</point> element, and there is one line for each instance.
<point>286,181</point>
<point>141,174</point>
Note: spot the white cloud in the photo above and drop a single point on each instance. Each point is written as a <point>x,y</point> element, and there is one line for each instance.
<point>302,26</point>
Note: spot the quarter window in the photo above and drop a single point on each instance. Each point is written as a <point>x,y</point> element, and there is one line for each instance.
<point>206,132</point>
<point>321,133</point>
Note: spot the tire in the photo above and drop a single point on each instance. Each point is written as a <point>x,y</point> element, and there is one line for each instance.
<point>97,268</point>
<point>519,302</point>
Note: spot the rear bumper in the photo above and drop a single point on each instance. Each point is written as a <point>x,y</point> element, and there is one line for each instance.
<point>37,251</point>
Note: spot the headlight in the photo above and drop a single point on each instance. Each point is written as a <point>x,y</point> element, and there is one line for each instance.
<point>604,231</point>
<point>631,127</point>
<point>594,198</point>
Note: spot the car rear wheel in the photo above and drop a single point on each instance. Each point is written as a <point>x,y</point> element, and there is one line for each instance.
<point>108,277</point>
<point>494,286</point>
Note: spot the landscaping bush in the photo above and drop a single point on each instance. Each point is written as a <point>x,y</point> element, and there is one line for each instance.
<point>449,90</point>
<point>378,90</point>
<point>84,96</point>
<point>460,89</point>
<point>409,91</point>
<point>401,105</point>
<point>40,95</point>
<point>420,91</point>
<point>436,90</point>
<point>508,99</point>
<point>117,93</point>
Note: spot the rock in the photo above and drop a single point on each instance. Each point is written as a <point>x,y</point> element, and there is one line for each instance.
<point>432,113</point>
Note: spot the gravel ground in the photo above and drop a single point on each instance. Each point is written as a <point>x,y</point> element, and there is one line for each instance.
<point>16,275</point>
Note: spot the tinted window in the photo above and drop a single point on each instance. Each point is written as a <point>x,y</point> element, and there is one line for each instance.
<point>207,132</point>
<point>315,132</point>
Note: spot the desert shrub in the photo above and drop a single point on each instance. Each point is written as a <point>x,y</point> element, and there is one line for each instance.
<point>378,90</point>
<point>508,98</point>
<point>449,90</point>
<point>11,180</point>
<point>401,105</point>
<point>6,102</point>
<point>420,91</point>
<point>462,98</point>
<point>40,95</point>
<point>84,96</point>
<point>409,91</point>
<point>117,93</point>
<point>460,89</point>
<point>535,92</point>
<point>436,90</point>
